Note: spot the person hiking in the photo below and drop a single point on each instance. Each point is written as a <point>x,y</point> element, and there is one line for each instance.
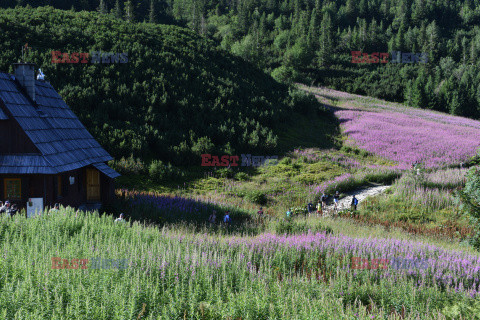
<point>260,212</point>
<point>12,211</point>
<point>120,219</point>
<point>5,207</point>
<point>213,217</point>
<point>55,208</point>
<point>319,208</point>
<point>310,208</point>
<point>226,218</point>
<point>289,213</point>
<point>324,201</point>
<point>336,198</point>
<point>354,203</point>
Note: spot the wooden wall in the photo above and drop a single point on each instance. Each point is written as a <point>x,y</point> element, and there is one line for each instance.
<point>41,186</point>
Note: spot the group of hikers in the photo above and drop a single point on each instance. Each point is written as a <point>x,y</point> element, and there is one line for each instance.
<point>226,218</point>
<point>11,209</point>
<point>8,208</point>
<point>321,208</point>
<point>322,205</point>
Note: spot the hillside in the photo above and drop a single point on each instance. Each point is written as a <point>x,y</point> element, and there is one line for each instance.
<point>176,97</point>
<point>312,41</point>
<point>381,141</point>
<point>400,133</point>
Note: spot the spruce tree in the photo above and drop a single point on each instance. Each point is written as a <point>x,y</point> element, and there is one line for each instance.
<point>151,13</point>
<point>363,8</point>
<point>117,11</point>
<point>470,196</point>
<point>399,38</point>
<point>464,50</point>
<point>102,7</point>
<point>474,50</point>
<point>433,37</point>
<point>313,30</point>
<point>351,11</point>
<point>129,11</point>
<point>326,41</point>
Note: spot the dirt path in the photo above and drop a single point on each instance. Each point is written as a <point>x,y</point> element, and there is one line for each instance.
<point>361,194</point>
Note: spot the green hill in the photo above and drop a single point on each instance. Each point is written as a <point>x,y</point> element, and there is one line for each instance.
<point>311,41</point>
<point>177,97</point>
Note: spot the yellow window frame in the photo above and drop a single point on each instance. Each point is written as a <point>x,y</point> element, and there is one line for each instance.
<point>15,196</point>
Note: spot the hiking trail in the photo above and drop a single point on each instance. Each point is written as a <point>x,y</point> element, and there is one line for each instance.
<point>361,194</point>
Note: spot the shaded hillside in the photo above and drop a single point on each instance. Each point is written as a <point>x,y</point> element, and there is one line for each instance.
<point>312,41</point>
<point>178,96</point>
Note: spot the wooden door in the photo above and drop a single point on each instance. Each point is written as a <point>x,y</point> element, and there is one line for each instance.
<point>93,185</point>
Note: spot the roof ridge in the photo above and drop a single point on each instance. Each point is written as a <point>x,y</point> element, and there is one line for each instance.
<point>62,140</point>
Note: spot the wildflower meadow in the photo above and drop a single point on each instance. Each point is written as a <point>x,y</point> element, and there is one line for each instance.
<point>174,273</point>
<point>402,134</point>
<point>169,260</point>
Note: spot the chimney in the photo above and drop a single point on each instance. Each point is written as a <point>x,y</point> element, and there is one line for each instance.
<point>25,75</point>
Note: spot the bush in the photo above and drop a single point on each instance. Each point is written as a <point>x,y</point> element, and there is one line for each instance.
<point>242,176</point>
<point>346,149</point>
<point>455,310</point>
<point>163,172</point>
<point>297,166</point>
<point>299,227</point>
<point>364,153</point>
<point>257,196</point>
<point>284,74</point>
<point>225,173</point>
<point>128,165</point>
<point>302,102</point>
<point>382,176</point>
<point>470,197</point>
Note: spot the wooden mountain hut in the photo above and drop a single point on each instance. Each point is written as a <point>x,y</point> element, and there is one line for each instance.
<point>45,151</point>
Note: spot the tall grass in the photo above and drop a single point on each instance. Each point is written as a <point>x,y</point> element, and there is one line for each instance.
<point>177,275</point>
<point>349,182</point>
<point>412,199</point>
<point>448,178</point>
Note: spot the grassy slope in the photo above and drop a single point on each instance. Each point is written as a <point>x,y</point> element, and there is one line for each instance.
<point>177,274</point>
<point>290,183</point>
<point>177,96</point>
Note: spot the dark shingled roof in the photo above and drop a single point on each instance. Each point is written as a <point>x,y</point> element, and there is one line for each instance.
<point>24,164</point>
<point>3,116</point>
<point>109,172</point>
<point>63,141</point>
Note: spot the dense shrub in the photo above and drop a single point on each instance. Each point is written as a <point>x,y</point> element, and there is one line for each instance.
<point>295,226</point>
<point>225,173</point>
<point>346,149</point>
<point>242,176</point>
<point>470,196</point>
<point>257,196</point>
<point>128,165</point>
<point>284,74</point>
<point>163,172</point>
